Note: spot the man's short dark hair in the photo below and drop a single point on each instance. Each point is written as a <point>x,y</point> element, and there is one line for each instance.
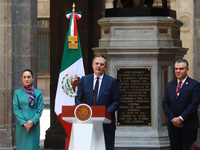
<point>183,61</point>
<point>100,55</point>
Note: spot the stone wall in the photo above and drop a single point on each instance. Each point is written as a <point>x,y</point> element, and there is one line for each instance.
<point>185,13</point>
<point>43,9</point>
<point>197,40</point>
<point>196,64</point>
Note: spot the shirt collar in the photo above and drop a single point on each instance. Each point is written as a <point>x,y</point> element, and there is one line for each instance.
<point>100,77</point>
<point>183,81</point>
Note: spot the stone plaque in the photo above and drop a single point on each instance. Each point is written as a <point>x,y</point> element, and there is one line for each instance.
<point>134,87</point>
<point>137,31</point>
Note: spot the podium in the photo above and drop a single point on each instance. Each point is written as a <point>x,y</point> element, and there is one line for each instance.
<point>87,126</point>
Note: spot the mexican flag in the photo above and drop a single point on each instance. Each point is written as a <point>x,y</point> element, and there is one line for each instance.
<point>71,71</point>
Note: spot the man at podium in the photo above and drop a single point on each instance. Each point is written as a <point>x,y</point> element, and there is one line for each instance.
<point>99,89</point>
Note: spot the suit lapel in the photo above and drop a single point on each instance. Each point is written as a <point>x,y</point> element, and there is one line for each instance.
<point>184,86</point>
<point>90,84</point>
<point>174,88</point>
<point>103,87</point>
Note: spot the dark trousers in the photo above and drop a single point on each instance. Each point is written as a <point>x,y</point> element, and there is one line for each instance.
<point>179,137</point>
<point>109,139</point>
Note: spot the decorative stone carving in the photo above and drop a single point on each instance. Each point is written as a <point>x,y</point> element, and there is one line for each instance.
<point>186,19</point>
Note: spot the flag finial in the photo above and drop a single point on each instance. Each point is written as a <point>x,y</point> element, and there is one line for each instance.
<point>73,10</point>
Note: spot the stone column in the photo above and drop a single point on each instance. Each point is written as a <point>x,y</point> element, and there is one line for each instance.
<point>196,62</point>
<point>196,41</point>
<point>6,117</point>
<point>18,51</point>
<point>148,43</point>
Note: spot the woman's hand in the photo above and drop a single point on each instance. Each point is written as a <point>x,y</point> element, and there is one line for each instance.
<point>28,125</point>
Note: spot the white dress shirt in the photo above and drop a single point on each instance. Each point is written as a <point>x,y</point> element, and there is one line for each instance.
<point>100,81</point>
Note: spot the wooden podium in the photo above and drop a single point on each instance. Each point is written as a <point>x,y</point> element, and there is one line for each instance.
<point>87,126</point>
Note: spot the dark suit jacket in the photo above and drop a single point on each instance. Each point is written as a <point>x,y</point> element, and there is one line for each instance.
<point>185,106</point>
<point>108,96</point>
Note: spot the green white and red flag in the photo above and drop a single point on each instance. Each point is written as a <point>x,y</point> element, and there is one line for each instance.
<point>71,71</point>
